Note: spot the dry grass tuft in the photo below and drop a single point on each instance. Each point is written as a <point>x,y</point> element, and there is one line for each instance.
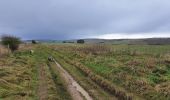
<point>166,57</point>
<point>163,88</point>
<point>3,51</point>
<point>150,63</point>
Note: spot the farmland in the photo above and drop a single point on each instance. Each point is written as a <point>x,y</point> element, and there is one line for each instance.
<point>105,71</point>
<point>142,70</point>
<point>30,77</point>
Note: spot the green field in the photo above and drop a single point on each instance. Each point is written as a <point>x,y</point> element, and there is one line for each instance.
<point>143,70</point>
<point>106,72</point>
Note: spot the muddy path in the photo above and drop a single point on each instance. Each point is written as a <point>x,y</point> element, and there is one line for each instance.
<point>42,84</point>
<point>76,91</point>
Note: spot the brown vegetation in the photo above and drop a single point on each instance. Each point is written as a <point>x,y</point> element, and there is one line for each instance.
<point>3,51</point>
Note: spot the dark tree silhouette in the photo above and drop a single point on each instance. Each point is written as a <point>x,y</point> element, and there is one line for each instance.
<point>11,42</point>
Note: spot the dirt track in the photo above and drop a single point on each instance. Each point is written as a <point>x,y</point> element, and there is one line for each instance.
<point>42,87</point>
<point>76,91</point>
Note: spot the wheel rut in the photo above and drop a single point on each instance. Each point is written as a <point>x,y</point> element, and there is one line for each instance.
<point>42,84</point>
<point>76,91</point>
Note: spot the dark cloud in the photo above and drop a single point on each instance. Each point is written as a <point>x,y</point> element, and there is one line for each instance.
<point>65,19</point>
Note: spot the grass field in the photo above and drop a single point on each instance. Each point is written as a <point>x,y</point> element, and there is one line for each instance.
<point>142,70</point>
<point>19,76</point>
<point>106,72</point>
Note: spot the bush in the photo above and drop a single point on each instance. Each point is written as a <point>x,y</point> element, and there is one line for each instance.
<point>64,42</point>
<point>11,42</point>
<point>34,42</point>
<point>80,41</point>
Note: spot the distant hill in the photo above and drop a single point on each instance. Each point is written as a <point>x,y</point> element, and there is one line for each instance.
<point>44,41</point>
<point>151,41</point>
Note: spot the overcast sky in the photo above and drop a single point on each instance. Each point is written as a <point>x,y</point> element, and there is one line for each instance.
<point>69,19</point>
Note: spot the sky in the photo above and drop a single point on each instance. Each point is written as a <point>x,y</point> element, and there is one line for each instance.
<point>73,19</point>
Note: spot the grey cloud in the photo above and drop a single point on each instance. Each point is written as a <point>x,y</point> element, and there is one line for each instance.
<point>65,19</point>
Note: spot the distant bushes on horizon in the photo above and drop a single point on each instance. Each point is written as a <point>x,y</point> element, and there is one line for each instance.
<point>81,41</point>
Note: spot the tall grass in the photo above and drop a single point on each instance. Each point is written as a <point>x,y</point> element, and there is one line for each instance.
<point>138,68</point>
<point>3,51</point>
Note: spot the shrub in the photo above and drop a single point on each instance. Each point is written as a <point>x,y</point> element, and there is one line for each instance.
<point>34,42</point>
<point>64,41</point>
<point>80,41</point>
<point>11,42</point>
